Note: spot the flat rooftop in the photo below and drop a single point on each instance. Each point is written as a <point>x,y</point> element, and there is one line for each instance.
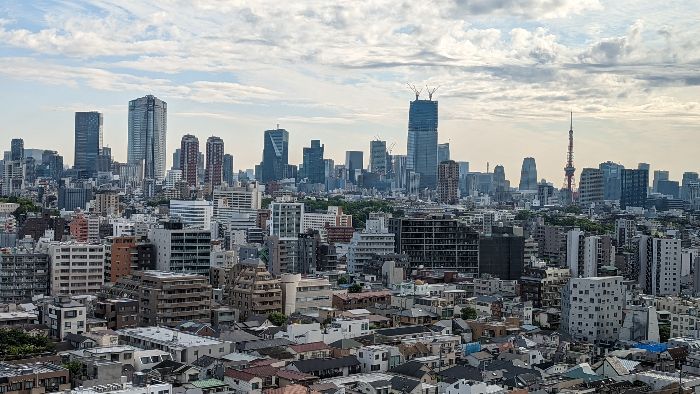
<point>168,337</point>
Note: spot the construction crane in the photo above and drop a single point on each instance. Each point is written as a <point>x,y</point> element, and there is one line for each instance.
<point>430,92</point>
<point>414,89</point>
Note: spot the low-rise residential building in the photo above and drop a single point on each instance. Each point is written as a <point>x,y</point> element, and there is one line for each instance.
<point>185,348</point>
<point>346,301</point>
<point>35,378</point>
<point>304,295</point>
<point>64,316</point>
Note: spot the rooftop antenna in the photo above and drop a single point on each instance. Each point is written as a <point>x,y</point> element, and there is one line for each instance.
<point>431,91</point>
<point>414,89</point>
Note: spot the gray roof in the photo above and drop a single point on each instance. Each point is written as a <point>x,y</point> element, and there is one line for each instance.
<point>262,344</point>
<point>403,384</point>
<point>321,364</point>
<point>409,368</point>
<point>406,330</point>
<point>345,344</point>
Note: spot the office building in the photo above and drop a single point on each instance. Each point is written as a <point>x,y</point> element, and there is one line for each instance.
<point>437,242</point>
<point>443,152</point>
<point>448,182</point>
<point>227,170</point>
<point>318,221</point>
<point>214,174</point>
<point>76,268</point>
<point>13,177</point>
<point>528,175</point>
<point>176,160</point>
<point>148,126</point>
<point>590,187</point>
<point>591,309</point>
<point>275,162</point>
<point>398,166</point>
<point>314,168</point>
<point>659,175</point>
<point>286,219</point>
<point>689,182</point>
<point>17,149</point>
<point>305,295</point>
<point>502,256</point>
<point>181,250</point>
<point>659,265</point>
<point>24,274</point>
<point>88,142</point>
<point>378,157</point>
<point>232,200</point>
<point>421,156</point>
<point>612,180</point>
<point>633,188</point>
<point>193,213</point>
<point>374,240</point>
<point>668,188</point>
<point>353,164</point>
<point>253,290</point>
<point>189,159</point>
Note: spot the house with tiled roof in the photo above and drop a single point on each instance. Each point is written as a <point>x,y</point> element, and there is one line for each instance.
<point>310,350</point>
<point>243,382</point>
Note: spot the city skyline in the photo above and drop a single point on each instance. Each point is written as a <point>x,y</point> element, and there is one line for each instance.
<point>626,76</point>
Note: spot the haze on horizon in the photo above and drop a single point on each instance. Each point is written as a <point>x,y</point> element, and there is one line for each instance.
<point>509,73</point>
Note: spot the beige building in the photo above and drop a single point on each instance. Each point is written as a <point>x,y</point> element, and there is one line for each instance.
<point>107,204</point>
<point>76,268</point>
<point>305,295</point>
<point>253,290</point>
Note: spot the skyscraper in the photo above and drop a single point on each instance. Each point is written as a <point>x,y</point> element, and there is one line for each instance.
<point>378,157</point>
<point>189,157</point>
<point>228,169</point>
<point>590,187</point>
<point>215,162</point>
<point>612,175</point>
<point>314,169</point>
<point>499,179</point>
<point>353,161</point>
<point>148,125</point>
<point>88,141</point>
<point>659,175</point>
<point>690,180</point>
<point>17,149</point>
<point>634,186</point>
<point>528,175</point>
<point>275,155</point>
<point>448,182</point>
<point>443,152</point>
<point>176,160</point>
<point>422,141</point>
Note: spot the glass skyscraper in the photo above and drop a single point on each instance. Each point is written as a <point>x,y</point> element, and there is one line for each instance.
<point>148,126</point>
<point>612,178</point>
<point>422,141</point>
<point>275,155</point>
<point>314,168</point>
<point>88,142</point>
<point>354,161</point>
<point>528,175</point>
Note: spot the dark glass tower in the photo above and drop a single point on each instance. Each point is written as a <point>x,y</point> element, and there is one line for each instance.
<point>17,149</point>
<point>354,161</point>
<point>275,155</point>
<point>228,169</point>
<point>422,141</point>
<point>148,125</point>
<point>314,169</point>
<point>528,175</point>
<point>88,141</point>
<point>634,186</point>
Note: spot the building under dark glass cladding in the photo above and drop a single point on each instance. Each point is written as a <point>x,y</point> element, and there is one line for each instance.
<point>314,167</point>
<point>422,141</point>
<point>634,185</point>
<point>148,128</point>
<point>17,149</point>
<point>88,142</point>
<point>501,255</point>
<point>354,161</point>
<point>227,169</point>
<point>437,242</point>
<point>274,165</point>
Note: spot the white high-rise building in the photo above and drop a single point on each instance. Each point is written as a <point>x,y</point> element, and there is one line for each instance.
<point>586,255</point>
<point>183,250</point>
<point>286,219</point>
<point>192,213</point>
<point>172,178</point>
<point>591,308</point>
<point>660,265</point>
<point>374,239</point>
<point>235,200</point>
<point>76,268</point>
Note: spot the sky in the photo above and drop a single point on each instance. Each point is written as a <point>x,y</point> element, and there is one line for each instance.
<point>508,73</point>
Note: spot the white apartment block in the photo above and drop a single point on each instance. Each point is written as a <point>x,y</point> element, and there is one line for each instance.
<point>183,250</point>
<point>378,358</point>
<point>592,308</point>
<point>76,268</point>
<point>231,200</point>
<point>374,239</point>
<point>64,316</point>
<point>285,220</point>
<point>660,265</point>
<point>318,221</point>
<point>305,295</point>
<point>193,214</point>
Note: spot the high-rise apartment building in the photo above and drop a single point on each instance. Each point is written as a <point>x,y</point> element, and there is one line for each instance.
<point>275,162</point>
<point>314,170</point>
<point>253,290</point>
<point>448,182</point>
<point>189,157</point>
<point>24,273</point>
<point>587,255</point>
<point>633,185</point>
<point>180,249</point>
<point>659,265</point>
<point>193,213</point>
<point>591,309</point>
<point>76,268</point>
<point>422,141</point>
<point>354,162</point>
<point>148,126</point>
<point>214,174</point>
<point>378,157</point>
<point>591,186</point>
<point>374,240</point>
<point>528,175</point>
<point>88,142</point>
<point>176,160</point>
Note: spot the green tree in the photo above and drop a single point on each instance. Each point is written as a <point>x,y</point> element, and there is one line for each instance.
<point>343,280</point>
<point>355,288</point>
<point>664,332</point>
<point>573,209</point>
<point>74,367</point>
<point>468,313</point>
<point>277,318</point>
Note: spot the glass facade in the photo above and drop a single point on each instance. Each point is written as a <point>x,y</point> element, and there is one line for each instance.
<point>148,125</point>
<point>422,141</point>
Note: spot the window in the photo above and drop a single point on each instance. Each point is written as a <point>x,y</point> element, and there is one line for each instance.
<point>67,324</point>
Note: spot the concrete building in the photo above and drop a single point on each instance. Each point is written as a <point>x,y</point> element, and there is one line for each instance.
<point>181,250</point>
<point>118,312</point>
<point>286,219</point>
<point>148,127</point>
<point>378,157</point>
<point>76,268</point>
<point>502,255</point>
<point>214,172</point>
<point>659,265</point>
<point>633,188</point>
<point>586,256</point>
<point>193,213</point>
<point>189,159</point>
<point>590,187</point>
<point>542,285</point>
<point>185,348</point>
<point>374,240</point>
<point>235,200</point>
<point>304,295</point>
<point>34,378</point>
<point>592,309</point>
<point>448,182</point>
<point>107,204</point>
<point>64,316</point>
<point>24,273</point>
<point>319,221</point>
<point>528,175</point>
<point>253,290</point>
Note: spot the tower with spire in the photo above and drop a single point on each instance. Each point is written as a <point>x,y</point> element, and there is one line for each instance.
<point>569,170</point>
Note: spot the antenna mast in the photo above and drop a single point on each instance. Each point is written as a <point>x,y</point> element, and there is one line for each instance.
<point>414,89</point>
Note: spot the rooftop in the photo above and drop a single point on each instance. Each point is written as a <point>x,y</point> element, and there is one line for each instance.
<point>11,370</point>
<point>168,337</point>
